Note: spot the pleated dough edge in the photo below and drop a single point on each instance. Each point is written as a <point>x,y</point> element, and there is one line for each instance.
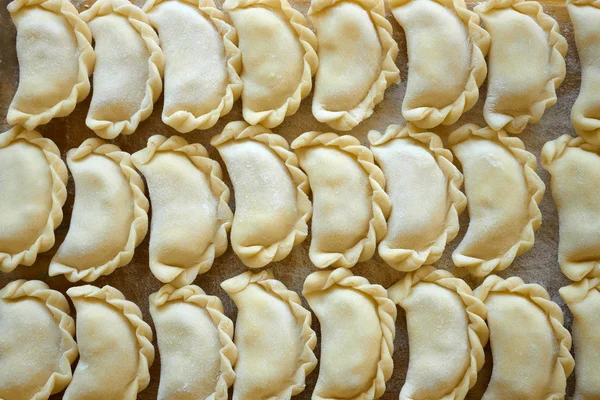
<point>578,291</point>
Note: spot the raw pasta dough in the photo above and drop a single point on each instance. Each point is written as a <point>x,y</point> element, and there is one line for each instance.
<point>129,66</point>
<point>350,205</point>
<point>110,214</point>
<point>503,194</point>
<point>49,33</point>
<point>29,213</point>
<point>190,215</point>
<point>273,337</point>
<point>271,193</point>
<point>202,62</point>
<point>424,188</point>
<point>526,62</point>
<point>356,60</point>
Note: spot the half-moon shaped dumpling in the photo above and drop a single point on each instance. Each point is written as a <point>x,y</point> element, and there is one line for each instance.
<point>446,333</point>
<point>190,214</point>
<point>424,188</point>
<point>526,62</point>
<point>446,52</point>
<point>503,193</point>
<point>37,346</point>
<point>530,345</point>
<point>356,60</point>
<point>49,33</point>
<point>271,193</point>
<point>273,337</point>
<point>110,213</point>
<point>357,334</point>
<point>350,205</point>
<point>29,213</point>
<point>129,66</point>
<point>195,340</point>
<point>202,62</point>
<point>278,58</point>
<point>115,346</point>
<point>574,166</point>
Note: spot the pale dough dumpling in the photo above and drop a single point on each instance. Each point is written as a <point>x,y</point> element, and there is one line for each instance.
<point>37,346</point>
<point>446,53</point>
<point>350,205</point>
<point>530,345</point>
<point>49,33</point>
<point>115,346</point>
<point>356,60</point>
<point>110,213</point>
<point>129,66</point>
<point>29,213</point>
<point>424,188</point>
<point>503,194</point>
<point>273,336</point>
<point>271,193</point>
<point>575,168</point>
<point>526,62</point>
<point>446,333</point>
<point>279,58</point>
<point>202,62</point>
<point>357,334</point>
<point>196,346</point>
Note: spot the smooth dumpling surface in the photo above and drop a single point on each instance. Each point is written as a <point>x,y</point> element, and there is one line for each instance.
<point>530,345</point>
<point>49,33</point>
<point>273,336</point>
<point>446,332</point>
<point>446,53</point>
<point>196,346</point>
<point>278,57</point>
<point>424,188</point>
<point>202,62</point>
<point>526,62</point>
<point>37,346</point>
<point>110,213</point>
<point>271,193</point>
<point>129,65</point>
<point>574,165</point>
<point>503,193</point>
<point>357,334</point>
<point>115,346</point>
<point>29,213</point>
<point>190,215</point>
<point>350,205</point>
<point>355,67</point>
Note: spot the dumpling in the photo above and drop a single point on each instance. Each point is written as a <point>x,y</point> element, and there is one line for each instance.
<point>530,345</point>
<point>526,62</point>
<point>110,213</point>
<point>271,193</point>
<point>446,332</point>
<point>503,194</point>
<point>29,214</point>
<point>49,33</point>
<point>574,165</point>
<point>196,346</point>
<point>424,189</point>
<point>350,205</point>
<point>357,334</point>
<point>356,60</point>
<point>129,66</point>
<point>446,52</point>
<point>37,346</point>
<point>273,336</point>
<point>279,58</point>
<point>115,346</point>
<point>202,62</point>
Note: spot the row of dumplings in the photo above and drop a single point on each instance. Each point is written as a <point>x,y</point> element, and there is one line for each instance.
<point>272,351</point>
